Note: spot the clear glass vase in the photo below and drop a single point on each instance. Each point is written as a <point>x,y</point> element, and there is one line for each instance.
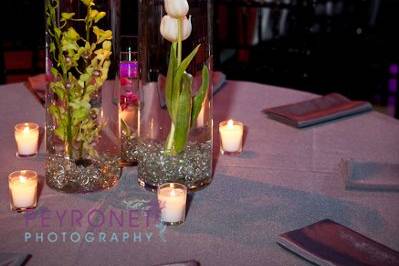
<point>81,128</point>
<point>128,98</point>
<point>168,149</point>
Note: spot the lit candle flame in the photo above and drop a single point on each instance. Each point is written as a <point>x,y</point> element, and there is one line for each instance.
<point>26,130</point>
<point>22,179</point>
<point>173,193</point>
<point>230,123</point>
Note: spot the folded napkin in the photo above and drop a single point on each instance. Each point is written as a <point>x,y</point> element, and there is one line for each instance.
<point>371,175</point>
<point>183,263</point>
<point>329,243</point>
<point>218,80</point>
<point>317,110</point>
<point>13,259</point>
<point>37,85</point>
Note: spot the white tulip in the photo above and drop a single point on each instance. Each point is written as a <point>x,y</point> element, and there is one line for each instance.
<point>176,8</point>
<point>169,28</point>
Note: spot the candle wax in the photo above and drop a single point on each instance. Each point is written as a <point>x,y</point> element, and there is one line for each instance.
<point>231,136</point>
<point>172,203</point>
<point>23,191</point>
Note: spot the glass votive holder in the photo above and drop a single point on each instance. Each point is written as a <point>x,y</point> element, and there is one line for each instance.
<point>23,190</point>
<point>128,67</point>
<point>231,134</point>
<point>27,139</point>
<point>172,198</point>
<point>128,70</point>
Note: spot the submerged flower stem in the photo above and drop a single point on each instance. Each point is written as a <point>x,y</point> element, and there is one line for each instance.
<point>179,39</point>
<point>171,137</point>
<point>170,140</point>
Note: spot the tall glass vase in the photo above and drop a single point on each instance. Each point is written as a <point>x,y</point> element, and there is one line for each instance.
<point>175,136</point>
<point>81,132</point>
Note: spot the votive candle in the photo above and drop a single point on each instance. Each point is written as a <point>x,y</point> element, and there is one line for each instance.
<point>23,189</point>
<point>231,134</point>
<point>172,199</point>
<point>27,138</point>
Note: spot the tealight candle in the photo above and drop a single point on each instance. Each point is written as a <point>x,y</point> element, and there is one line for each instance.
<point>172,199</point>
<point>231,133</point>
<point>27,138</point>
<point>23,189</point>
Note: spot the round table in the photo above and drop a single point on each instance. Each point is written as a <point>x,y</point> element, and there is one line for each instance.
<point>286,178</point>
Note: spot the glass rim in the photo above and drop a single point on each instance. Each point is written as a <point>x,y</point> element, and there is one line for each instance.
<point>128,52</point>
<point>22,125</point>
<point>235,122</point>
<point>172,185</point>
<point>128,56</point>
<point>29,174</point>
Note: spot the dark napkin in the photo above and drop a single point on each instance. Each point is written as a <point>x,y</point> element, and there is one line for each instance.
<point>317,110</point>
<point>183,263</point>
<point>329,243</point>
<point>371,175</point>
<point>37,85</point>
<point>13,259</point>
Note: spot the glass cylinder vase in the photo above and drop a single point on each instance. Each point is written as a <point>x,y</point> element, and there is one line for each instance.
<point>175,136</point>
<point>128,91</point>
<point>81,120</point>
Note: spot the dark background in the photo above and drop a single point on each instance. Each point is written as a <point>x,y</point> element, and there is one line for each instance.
<point>321,46</point>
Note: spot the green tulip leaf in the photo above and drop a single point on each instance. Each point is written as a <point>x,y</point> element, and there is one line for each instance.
<point>183,114</point>
<point>202,92</point>
<point>182,68</point>
<point>169,81</point>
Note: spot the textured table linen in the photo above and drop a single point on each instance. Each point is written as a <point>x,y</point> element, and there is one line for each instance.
<point>285,179</point>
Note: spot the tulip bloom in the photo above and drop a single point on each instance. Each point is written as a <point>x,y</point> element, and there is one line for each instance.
<point>176,8</point>
<point>169,28</point>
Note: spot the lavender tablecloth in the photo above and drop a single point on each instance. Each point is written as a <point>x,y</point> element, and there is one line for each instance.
<point>286,178</point>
